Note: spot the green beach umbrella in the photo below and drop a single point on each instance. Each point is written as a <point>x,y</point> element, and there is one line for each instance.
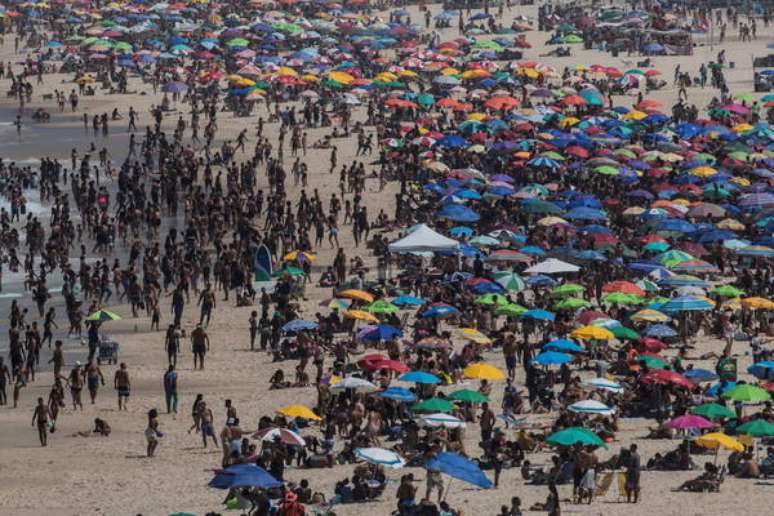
<point>433,405</point>
<point>468,396</point>
<point>292,271</point>
<point>747,392</point>
<point>713,411</point>
<point>575,435</point>
<point>621,298</point>
<point>606,170</point>
<point>652,362</point>
<point>622,332</point>
<point>756,428</point>
<point>510,281</point>
<point>568,289</point>
<point>728,291</point>
<point>572,303</point>
<point>381,306</point>
<point>510,310</point>
<point>103,315</point>
<point>491,299</point>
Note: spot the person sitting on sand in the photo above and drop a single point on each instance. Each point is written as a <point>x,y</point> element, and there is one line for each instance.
<point>707,481</point>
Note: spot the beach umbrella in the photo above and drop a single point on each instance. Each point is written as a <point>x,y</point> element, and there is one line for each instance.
<point>382,307</point>
<point>103,315</point>
<point>398,394</point>
<point>459,467</point>
<point>592,333</point>
<point>457,213</point>
<point>481,371</point>
<point>757,303</point>
<point>650,315</point>
<point>360,315</point>
<point>762,370</point>
<point>715,440</point>
<point>660,331</point>
<point>539,315</point>
<point>441,420</point>
<point>604,384</point>
<point>244,475</point>
<point>380,457</point>
<point>285,435</point>
<point>748,393</point>
<point>299,411</point>
<point>756,428</point>
<point>700,375</point>
<point>622,332</point>
<point>439,310</point>
<point>567,289</point>
<point>575,435</point>
<point>685,304</point>
<point>420,377</point>
<point>548,358</point>
<point>510,281</point>
<point>728,291</point>
<point>591,407</point>
<point>552,266</point>
<point>491,299</point>
<point>689,422</point>
<point>572,303</point>
<point>380,332</point>
<point>433,405</point>
<point>354,383</point>
<point>175,87</point>
<point>510,310</point>
<point>468,396</point>
<point>474,335</point>
<point>355,294</point>
<point>664,377</point>
<point>406,300</point>
<point>713,411</point>
<point>298,325</point>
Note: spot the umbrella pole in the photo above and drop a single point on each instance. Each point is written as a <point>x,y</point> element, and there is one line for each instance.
<point>448,487</point>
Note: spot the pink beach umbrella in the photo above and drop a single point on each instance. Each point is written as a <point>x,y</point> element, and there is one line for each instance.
<point>689,422</point>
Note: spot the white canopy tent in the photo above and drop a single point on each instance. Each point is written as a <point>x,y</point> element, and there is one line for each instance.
<point>423,239</point>
<point>552,266</point>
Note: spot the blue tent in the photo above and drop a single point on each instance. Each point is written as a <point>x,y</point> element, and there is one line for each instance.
<point>457,466</point>
<point>244,475</point>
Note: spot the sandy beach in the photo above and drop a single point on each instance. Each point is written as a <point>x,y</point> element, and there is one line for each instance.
<point>76,475</point>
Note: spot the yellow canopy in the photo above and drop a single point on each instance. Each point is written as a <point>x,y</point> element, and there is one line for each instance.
<point>592,333</point>
<point>360,315</point>
<point>715,439</point>
<point>483,372</point>
<point>299,411</point>
<point>360,295</point>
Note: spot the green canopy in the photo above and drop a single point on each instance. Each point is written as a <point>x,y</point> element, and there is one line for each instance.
<point>103,315</point>
<point>713,411</point>
<point>756,428</point>
<point>381,306</point>
<point>747,392</point>
<point>468,395</point>
<point>433,405</point>
<point>575,435</point>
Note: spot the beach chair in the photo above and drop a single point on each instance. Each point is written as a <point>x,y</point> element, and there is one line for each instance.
<point>603,484</point>
<point>621,476</point>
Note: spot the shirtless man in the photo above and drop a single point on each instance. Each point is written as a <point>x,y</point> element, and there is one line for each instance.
<point>200,344</point>
<point>5,377</point>
<point>206,418</point>
<point>122,385</point>
<point>94,377</point>
<point>75,381</point>
<point>57,358</point>
<point>207,300</point>
<point>41,415</point>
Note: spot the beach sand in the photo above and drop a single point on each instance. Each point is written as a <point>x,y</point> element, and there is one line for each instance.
<point>95,475</point>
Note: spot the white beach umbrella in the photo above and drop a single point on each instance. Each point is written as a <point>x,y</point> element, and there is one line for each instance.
<point>355,383</point>
<point>441,419</point>
<point>552,266</point>
<point>591,407</point>
<point>380,456</point>
<point>604,384</point>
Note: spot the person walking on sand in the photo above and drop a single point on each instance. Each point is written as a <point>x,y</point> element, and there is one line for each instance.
<point>200,344</point>
<point>170,389</point>
<point>41,415</point>
<point>94,377</point>
<point>122,385</point>
<point>152,433</point>
<point>207,426</point>
<point>75,381</point>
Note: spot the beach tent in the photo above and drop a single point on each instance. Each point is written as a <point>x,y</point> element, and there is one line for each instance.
<point>552,266</point>
<point>421,240</point>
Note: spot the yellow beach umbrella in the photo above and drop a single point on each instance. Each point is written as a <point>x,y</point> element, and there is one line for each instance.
<point>483,371</point>
<point>299,411</point>
<point>360,295</point>
<point>474,335</point>
<point>703,171</point>
<point>635,115</point>
<point>634,211</point>
<point>734,304</point>
<point>758,303</point>
<point>450,71</point>
<point>740,128</point>
<point>715,440</point>
<point>360,315</point>
<point>342,77</point>
<point>285,71</point>
<point>650,315</point>
<point>592,333</point>
<point>731,224</point>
